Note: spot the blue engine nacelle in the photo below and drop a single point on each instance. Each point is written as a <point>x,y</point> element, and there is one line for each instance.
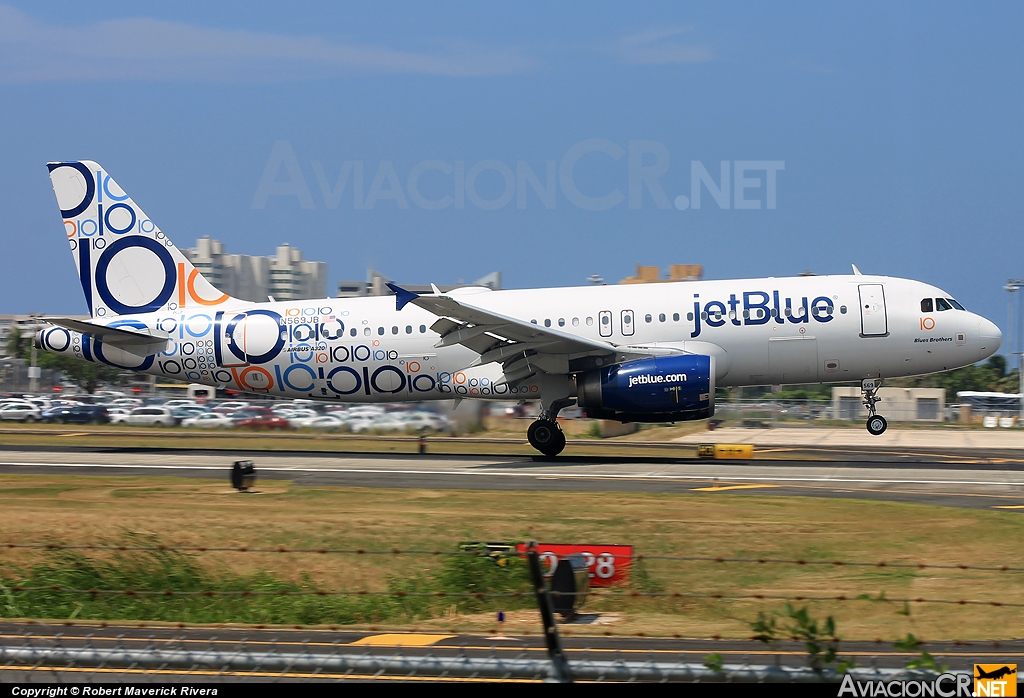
<point>660,389</point>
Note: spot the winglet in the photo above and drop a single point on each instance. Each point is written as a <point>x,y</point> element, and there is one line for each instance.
<point>856,271</point>
<point>402,296</point>
<point>435,289</point>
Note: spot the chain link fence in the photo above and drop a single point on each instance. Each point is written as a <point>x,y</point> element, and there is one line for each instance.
<point>57,651</point>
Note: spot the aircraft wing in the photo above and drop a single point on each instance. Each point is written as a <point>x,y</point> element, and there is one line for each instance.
<point>127,338</point>
<point>521,347</point>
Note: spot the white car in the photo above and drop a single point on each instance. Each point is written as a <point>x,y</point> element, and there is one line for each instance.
<point>210,420</point>
<point>422,419</point>
<point>180,402</point>
<point>19,412</point>
<point>127,402</point>
<point>118,415</point>
<point>358,425</point>
<point>150,416</point>
<point>7,402</point>
<point>232,405</point>
<point>389,422</point>
<point>318,422</point>
<point>361,411</point>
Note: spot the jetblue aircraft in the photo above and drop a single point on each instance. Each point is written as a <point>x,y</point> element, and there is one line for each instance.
<point>637,353</point>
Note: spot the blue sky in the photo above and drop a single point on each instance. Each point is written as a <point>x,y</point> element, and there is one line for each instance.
<point>895,133</point>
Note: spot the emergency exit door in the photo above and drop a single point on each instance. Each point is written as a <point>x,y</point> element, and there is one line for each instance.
<point>627,323</point>
<point>873,320</point>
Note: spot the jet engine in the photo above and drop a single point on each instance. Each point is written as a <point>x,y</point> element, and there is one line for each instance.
<point>659,389</point>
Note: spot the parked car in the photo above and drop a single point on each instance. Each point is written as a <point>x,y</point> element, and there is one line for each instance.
<point>186,411</point>
<point>231,406</point>
<point>180,402</point>
<point>389,422</point>
<point>421,419</point>
<point>118,415</point>
<point>371,411</point>
<point>19,412</point>
<point>260,418</point>
<point>209,420</point>
<point>150,416</point>
<point>319,422</point>
<point>81,414</point>
<point>127,402</point>
<point>358,425</point>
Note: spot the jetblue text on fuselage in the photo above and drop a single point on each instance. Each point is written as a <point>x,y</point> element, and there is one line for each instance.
<point>758,308</point>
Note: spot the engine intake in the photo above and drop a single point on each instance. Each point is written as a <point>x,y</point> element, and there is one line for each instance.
<point>659,389</point>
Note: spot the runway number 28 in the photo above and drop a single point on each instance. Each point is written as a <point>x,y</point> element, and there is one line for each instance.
<point>610,566</point>
<point>601,566</point>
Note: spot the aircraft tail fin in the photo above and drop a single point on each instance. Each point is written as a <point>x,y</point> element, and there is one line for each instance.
<point>125,263</point>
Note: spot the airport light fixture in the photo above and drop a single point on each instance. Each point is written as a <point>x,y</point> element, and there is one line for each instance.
<point>1011,287</point>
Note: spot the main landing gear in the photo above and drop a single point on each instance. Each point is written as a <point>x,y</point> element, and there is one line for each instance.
<point>546,436</point>
<point>556,391</point>
<point>876,422</point>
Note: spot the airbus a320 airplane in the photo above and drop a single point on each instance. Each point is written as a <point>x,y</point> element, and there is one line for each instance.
<point>638,353</point>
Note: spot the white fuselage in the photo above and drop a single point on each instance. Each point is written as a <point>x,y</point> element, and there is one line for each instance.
<point>761,331</point>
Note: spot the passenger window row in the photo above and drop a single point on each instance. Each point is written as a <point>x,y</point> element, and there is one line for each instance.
<point>394,330</point>
<point>758,314</point>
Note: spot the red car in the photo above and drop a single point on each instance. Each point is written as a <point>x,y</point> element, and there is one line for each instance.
<point>260,418</point>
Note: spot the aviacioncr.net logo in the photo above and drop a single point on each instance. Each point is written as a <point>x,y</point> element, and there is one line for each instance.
<point>944,686</point>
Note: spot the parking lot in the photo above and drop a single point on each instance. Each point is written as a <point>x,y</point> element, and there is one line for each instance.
<point>112,407</point>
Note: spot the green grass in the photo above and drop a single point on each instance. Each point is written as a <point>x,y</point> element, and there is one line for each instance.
<point>157,571</point>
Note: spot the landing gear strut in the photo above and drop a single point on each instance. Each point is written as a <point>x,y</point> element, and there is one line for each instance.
<point>876,422</point>
<point>546,436</point>
<point>556,392</point>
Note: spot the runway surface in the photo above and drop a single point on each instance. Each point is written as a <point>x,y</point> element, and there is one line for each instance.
<point>439,643</point>
<point>947,480</point>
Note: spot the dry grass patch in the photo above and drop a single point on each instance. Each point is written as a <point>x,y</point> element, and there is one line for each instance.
<point>176,511</point>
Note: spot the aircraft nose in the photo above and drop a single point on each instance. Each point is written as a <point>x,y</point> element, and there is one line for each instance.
<point>991,336</point>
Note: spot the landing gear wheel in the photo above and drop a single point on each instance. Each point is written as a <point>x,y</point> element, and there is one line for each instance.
<point>876,425</point>
<point>545,436</point>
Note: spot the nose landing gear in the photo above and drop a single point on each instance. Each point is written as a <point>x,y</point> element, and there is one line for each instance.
<point>876,422</point>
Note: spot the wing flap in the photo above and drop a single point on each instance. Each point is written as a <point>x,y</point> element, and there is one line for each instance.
<point>547,339</point>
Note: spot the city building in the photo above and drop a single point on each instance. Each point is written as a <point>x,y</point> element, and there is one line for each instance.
<point>676,272</point>
<point>286,276</point>
<point>376,285</point>
<point>27,326</point>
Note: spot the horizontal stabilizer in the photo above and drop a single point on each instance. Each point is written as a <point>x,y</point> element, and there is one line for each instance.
<point>128,338</point>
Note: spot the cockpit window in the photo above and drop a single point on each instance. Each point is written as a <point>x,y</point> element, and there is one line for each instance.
<point>955,304</point>
<point>926,305</point>
<point>941,304</point>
